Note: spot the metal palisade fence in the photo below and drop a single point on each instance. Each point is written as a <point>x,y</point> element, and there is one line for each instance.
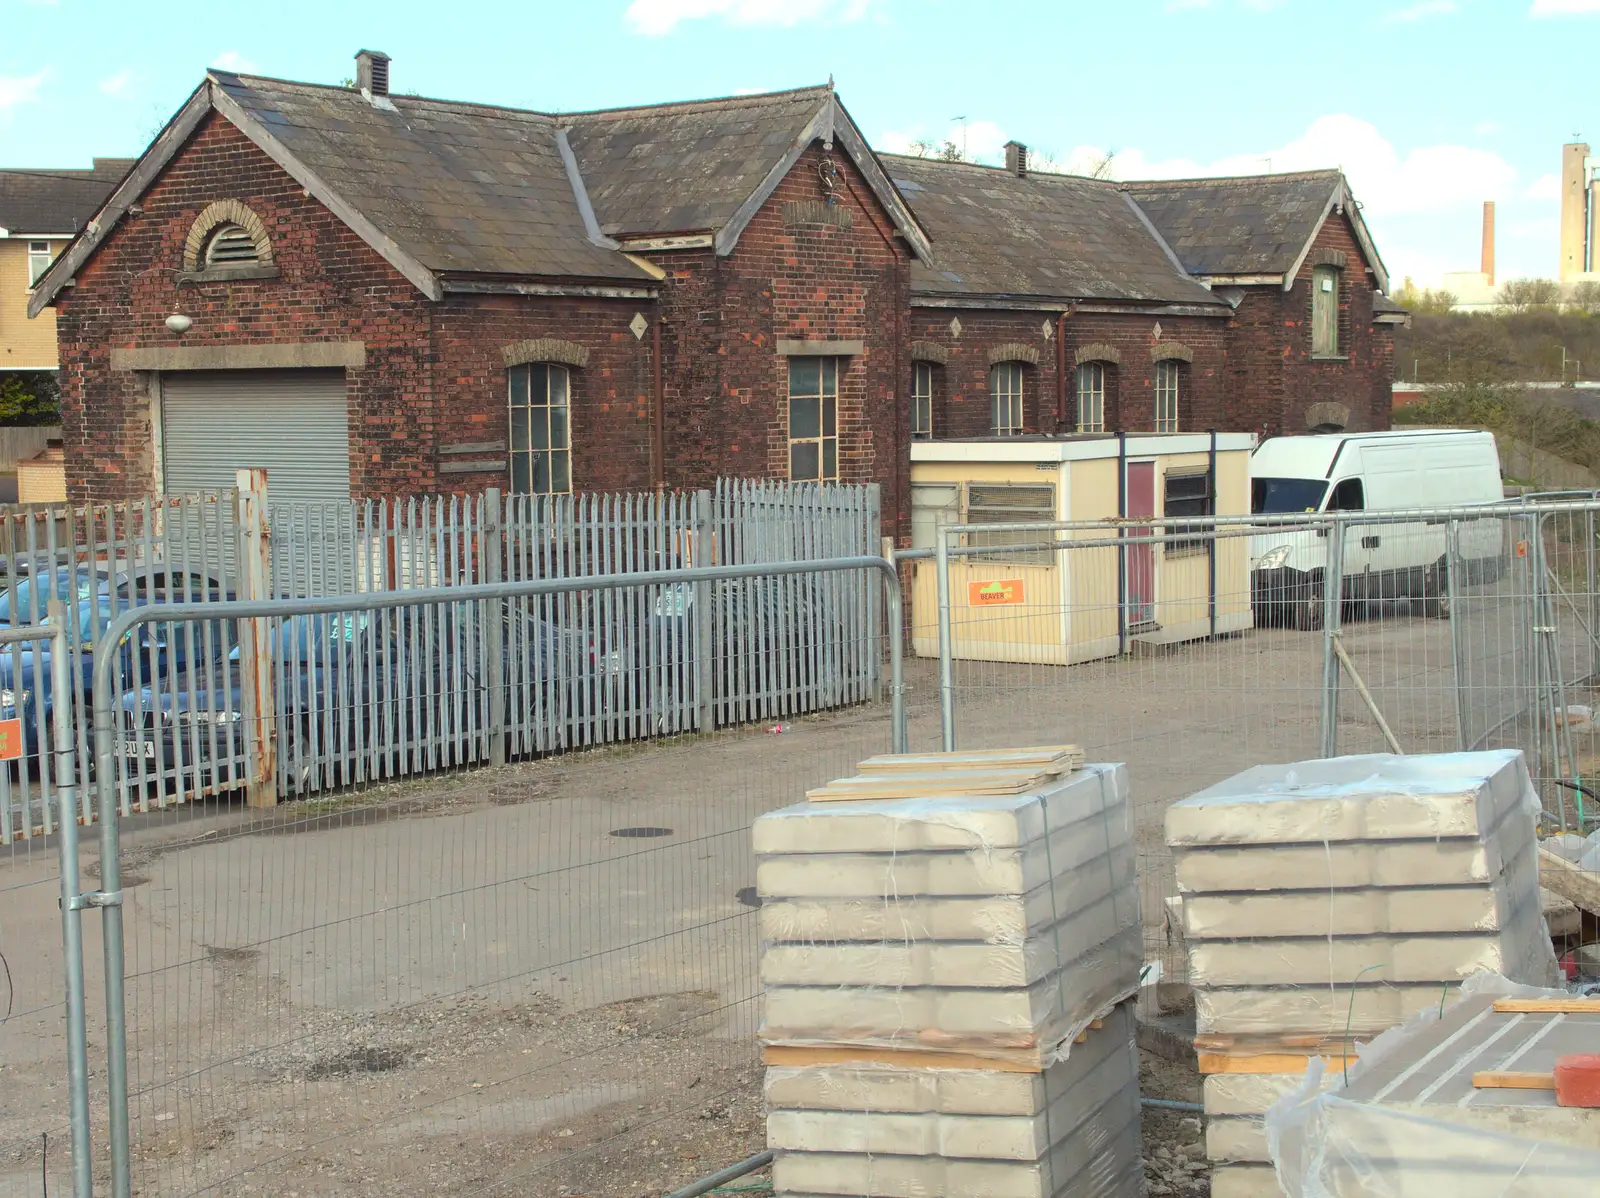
<point>1193,649</point>
<point>368,697</point>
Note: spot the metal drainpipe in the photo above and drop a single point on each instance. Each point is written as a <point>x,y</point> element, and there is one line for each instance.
<point>1211,543</point>
<point>1122,552</point>
<point>658,427</point>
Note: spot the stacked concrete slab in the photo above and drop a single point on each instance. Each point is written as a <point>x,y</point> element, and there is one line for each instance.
<point>943,977</point>
<point>1447,1105</point>
<point>1327,901</point>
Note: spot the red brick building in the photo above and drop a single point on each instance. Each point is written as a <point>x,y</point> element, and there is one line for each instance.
<point>372,294</point>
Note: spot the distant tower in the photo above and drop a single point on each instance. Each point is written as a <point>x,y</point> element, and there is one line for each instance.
<point>1486,262</point>
<point>1574,209</point>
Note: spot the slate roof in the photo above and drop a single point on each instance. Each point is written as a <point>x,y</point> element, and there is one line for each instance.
<point>685,168</point>
<point>56,201</point>
<point>1238,226</point>
<point>1042,235</point>
<point>459,187</point>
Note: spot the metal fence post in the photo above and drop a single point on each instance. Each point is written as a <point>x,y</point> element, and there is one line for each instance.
<point>1454,582</point>
<point>72,904</point>
<point>870,653</point>
<point>705,650</point>
<point>1332,605</point>
<point>255,643</point>
<point>491,551</point>
<point>1593,598</point>
<point>947,674</point>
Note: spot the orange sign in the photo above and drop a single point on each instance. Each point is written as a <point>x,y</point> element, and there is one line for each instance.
<point>1522,549</point>
<point>10,740</point>
<point>996,592</point>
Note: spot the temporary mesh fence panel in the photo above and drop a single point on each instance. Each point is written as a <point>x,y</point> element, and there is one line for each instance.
<point>1159,646</point>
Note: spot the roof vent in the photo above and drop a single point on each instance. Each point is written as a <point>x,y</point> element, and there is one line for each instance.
<point>1017,159</point>
<point>372,72</point>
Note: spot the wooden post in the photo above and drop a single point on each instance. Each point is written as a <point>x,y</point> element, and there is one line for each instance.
<point>256,675</point>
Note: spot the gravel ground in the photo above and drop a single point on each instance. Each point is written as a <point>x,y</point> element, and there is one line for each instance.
<point>467,984</point>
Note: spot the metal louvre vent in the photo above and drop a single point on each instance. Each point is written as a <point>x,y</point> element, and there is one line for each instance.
<point>230,244</point>
<point>1005,503</point>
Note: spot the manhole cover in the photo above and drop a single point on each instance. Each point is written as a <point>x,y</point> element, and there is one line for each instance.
<point>748,896</point>
<point>640,833</point>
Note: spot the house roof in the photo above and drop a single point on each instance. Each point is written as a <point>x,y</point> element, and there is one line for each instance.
<point>460,188</point>
<point>469,196</point>
<point>1062,237</point>
<point>56,201</point>
<point>685,168</point>
<point>1252,224</point>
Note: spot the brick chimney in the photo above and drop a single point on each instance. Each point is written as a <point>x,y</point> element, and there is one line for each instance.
<point>1017,159</point>
<point>1486,263</point>
<point>372,72</point>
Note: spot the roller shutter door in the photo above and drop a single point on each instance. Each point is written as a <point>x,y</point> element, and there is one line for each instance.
<point>292,423</point>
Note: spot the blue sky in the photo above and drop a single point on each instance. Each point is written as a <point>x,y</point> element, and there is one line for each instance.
<point>1430,106</point>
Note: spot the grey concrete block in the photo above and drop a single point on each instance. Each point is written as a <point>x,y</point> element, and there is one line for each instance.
<point>1376,797</point>
<point>922,825</point>
<point>901,963</point>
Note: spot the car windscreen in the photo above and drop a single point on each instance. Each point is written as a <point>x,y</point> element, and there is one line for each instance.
<point>1286,494</point>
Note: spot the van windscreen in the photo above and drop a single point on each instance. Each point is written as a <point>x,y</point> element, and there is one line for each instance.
<point>1275,495</point>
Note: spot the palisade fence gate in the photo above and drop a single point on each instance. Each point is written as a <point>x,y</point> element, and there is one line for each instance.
<point>1146,642</point>
<point>362,698</point>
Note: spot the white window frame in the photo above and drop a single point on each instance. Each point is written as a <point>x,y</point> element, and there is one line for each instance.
<point>1006,399</point>
<point>922,401</point>
<point>39,259</point>
<point>1168,387</point>
<point>826,437</point>
<point>541,424</point>
<point>1091,383</point>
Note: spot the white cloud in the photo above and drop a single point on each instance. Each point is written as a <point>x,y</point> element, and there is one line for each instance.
<point>657,17</point>
<point>1421,11</point>
<point>16,90</point>
<point>1545,230</point>
<point>1545,187</point>
<point>232,60</point>
<point>981,141</point>
<point>120,83</point>
<point>1423,179</point>
<point>1563,8</point>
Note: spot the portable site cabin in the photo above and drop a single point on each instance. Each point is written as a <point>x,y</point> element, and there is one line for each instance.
<point>1026,603</point>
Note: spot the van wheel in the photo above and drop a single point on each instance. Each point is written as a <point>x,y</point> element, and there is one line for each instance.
<point>1305,613</point>
<point>1436,599</point>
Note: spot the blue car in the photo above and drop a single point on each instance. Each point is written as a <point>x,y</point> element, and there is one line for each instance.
<point>95,597</point>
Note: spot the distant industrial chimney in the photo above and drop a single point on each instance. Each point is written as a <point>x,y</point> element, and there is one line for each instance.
<point>372,72</point>
<point>1574,210</point>
<point>1486,265</point>
<point>1017,159</point>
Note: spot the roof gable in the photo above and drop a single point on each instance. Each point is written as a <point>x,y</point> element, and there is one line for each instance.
<point>1251,225</point>
<point>445,190</point>
<point>706,167</point>
<point>1059,237</point>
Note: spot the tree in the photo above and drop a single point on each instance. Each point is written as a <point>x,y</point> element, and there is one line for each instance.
<point>945,151</point>
<point>1426,301</point>
<point>1585,297</point>
<point>29,398</point>
<point>1529,295</point>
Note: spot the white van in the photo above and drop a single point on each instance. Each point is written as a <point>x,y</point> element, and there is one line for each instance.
<point>1406,469</point>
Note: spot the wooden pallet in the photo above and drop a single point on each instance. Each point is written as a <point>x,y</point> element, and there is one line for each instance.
<point>1272,1054</point>
<point>1000,1060</point>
